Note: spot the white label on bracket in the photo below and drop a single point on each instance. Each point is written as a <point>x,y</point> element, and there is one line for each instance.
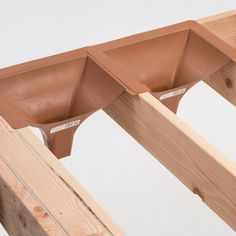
<point>64,126</point>
<point>172,94</point>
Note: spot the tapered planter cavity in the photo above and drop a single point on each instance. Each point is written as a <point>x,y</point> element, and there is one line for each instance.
<point>56,94</point>
<point>166,61</point>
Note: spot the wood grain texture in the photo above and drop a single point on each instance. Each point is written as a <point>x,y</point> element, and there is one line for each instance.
<point>224,80</point>
<point>20,213</point>
<point>197,164</point>
<point>222,25</point>
<point>66,177</point>
<point>38,196</point>
<point>203,169</point>
<point>216,17</point>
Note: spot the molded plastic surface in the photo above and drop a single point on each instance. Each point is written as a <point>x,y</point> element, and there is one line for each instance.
<point>57,93</point>
<point>171,58</point>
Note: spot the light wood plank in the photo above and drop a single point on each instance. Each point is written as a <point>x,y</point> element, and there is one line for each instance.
<point>224,80</point>
<point>216,17</point>
<point>20,213</point>
<point>197,164</point>
<point>69,210</point>
<point>223,25</point>
<point>64,175</point>
<point>38,186</point>
<point>203,169</point>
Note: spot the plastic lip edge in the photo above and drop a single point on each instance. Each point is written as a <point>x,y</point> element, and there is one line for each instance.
<point>98,52</point>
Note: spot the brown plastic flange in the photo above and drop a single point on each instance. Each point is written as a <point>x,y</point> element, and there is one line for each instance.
<point>56,94</point>
<point>166,61</point>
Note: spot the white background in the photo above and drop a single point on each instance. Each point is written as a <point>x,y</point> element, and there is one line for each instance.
<point>139,193</point>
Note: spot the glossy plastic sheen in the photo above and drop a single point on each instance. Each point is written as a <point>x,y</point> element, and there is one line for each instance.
<point>58,93</point>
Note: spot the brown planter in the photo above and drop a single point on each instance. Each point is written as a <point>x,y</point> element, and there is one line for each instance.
<point>57,93</point>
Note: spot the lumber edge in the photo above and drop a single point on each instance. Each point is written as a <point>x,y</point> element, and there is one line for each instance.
<point>52,161</point>
<point>37,194</point>
<point>203,169</point>
<point>224,80</point>
<point>196,163</point>
<point>217,17</point>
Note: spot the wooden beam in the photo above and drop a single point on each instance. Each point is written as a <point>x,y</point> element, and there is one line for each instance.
<point>20,212</point>
<point>203,169</point>
<point>197,164</point>
<point>223,25</point>
<point>224,80</point>
<point>39,197</point>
